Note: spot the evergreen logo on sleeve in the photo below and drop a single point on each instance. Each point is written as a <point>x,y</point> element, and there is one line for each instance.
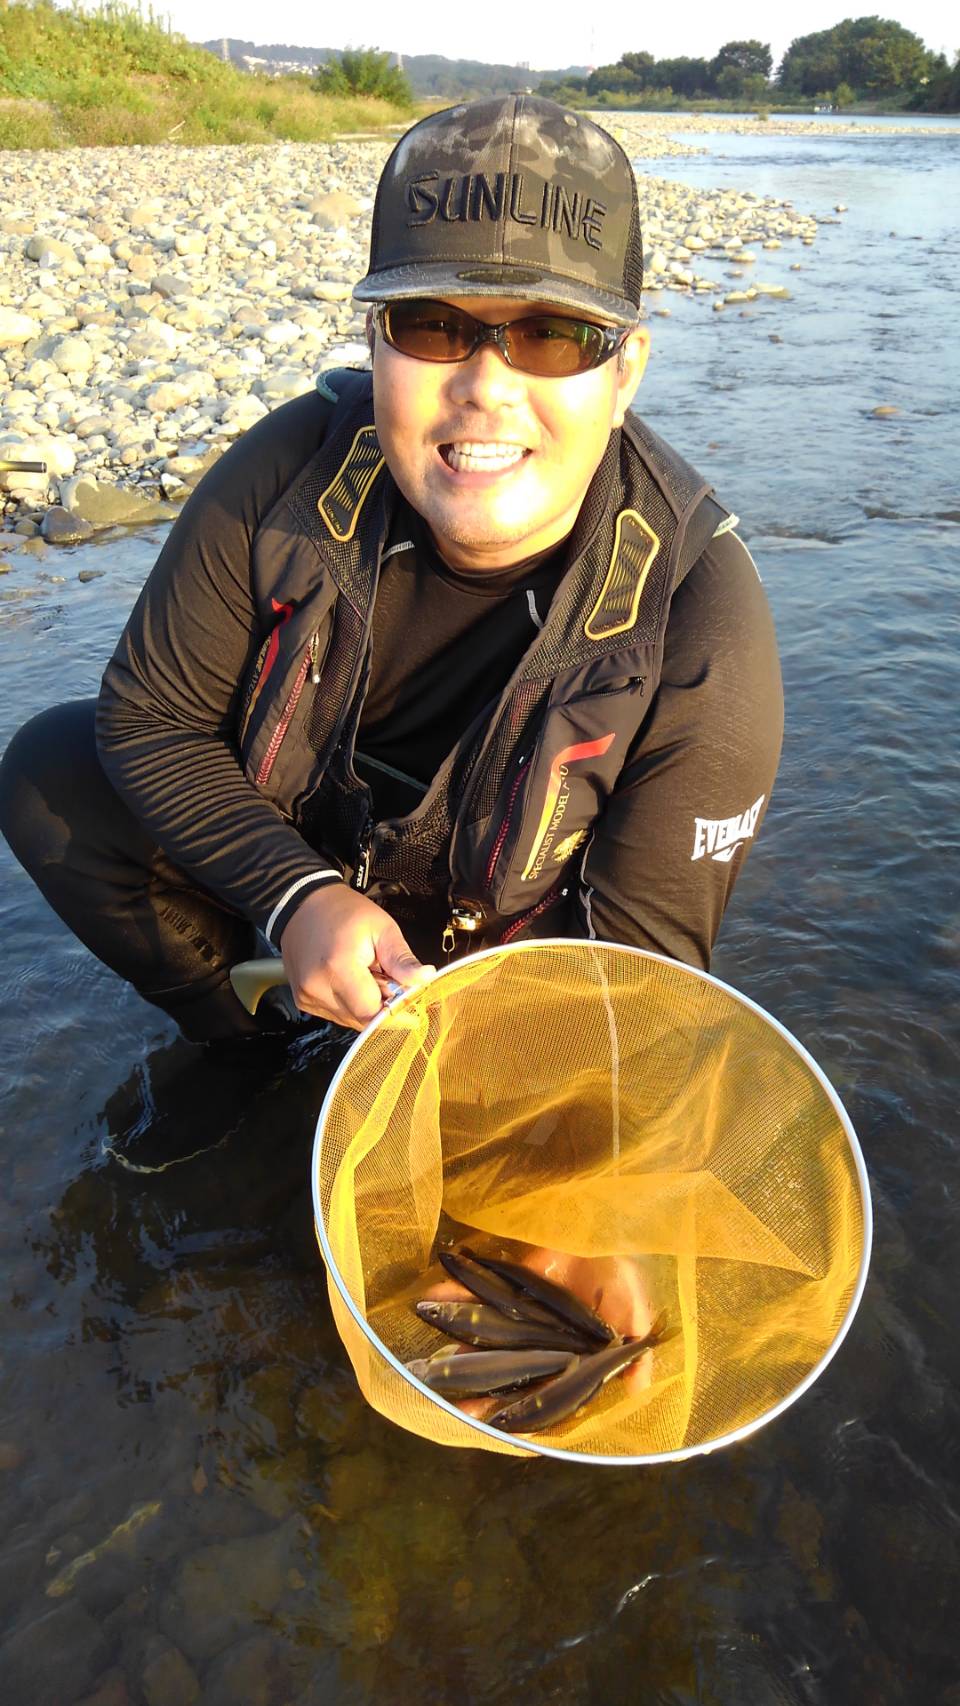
<point>721,836</point>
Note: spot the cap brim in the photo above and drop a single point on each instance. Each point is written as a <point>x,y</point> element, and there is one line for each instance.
<point>465,279</point>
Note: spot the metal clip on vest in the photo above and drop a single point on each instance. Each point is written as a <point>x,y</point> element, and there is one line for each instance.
<point>465,919</point>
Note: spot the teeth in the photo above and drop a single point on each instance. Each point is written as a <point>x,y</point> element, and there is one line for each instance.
<point>470,458</point>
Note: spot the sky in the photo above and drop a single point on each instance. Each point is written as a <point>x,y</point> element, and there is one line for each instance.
<point>505,32</point>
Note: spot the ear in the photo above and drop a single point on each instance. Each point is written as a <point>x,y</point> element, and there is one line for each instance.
<point>369,330</point>
<point>630,371</point>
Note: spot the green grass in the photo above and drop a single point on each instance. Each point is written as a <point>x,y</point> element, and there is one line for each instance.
<point>73,78</point>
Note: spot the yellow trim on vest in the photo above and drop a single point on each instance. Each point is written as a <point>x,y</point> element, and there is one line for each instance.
<point>344,498</point>
<point>626,578</point>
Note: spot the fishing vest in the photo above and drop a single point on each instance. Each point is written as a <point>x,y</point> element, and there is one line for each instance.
<point>501,832</point>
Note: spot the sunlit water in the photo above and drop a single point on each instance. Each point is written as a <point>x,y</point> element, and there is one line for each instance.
<point>167,1356</point>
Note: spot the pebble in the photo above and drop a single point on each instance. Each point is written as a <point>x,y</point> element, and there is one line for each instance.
<point>154,298</point>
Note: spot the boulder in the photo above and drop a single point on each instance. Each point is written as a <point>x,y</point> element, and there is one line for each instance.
<point>72,355</point>
<point>60,527</point>
<point>16,329</point>
<point>333,209</point>
<point>331,290</point>
<point>48,251</point>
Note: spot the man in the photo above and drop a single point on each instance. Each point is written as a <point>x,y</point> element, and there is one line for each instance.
<point>457,657</point>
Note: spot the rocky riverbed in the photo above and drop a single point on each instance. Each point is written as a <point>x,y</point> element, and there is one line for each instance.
<point>156,302</point>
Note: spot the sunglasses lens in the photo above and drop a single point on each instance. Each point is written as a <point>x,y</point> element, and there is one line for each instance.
<point>546,345</point>
<point>430,331</point>
<point>552,347</point>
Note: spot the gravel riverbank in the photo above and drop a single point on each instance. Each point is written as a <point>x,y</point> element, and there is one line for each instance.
<point>156,302</point>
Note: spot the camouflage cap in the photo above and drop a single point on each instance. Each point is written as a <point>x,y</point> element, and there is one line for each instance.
<point>512,197</point>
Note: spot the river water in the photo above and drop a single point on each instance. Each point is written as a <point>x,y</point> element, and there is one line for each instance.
<point>173,1396</point>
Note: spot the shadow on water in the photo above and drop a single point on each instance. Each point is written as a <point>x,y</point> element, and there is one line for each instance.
<point>195,1501</point>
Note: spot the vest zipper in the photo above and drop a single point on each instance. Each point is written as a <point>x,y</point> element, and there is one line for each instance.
<point>541,906</point>
<point>267,761</point>
<point>505,825</point>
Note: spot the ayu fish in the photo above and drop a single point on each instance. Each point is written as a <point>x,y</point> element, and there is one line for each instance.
<point>572,1389</point>
<point>476,1374</point>
<point>556,1298</point>
<point>481,1325</point>
<point>468,1270</point>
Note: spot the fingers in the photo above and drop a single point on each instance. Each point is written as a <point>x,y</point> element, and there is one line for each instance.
<point>396,959</point>
<point>351,997</point>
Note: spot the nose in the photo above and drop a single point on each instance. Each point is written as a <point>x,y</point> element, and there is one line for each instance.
<point>486,382</point>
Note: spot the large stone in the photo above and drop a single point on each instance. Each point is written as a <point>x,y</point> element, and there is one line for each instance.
<point>142,214</point>
<point>256,1672</point>
<point>92,425</point>
<point>48,250</point>
<point>111,1690</point>
<point>331,290</point>
<point>59,455</point>
<point>241,412</point>
<point>174,393</point>
<point>284,384</point>
<point>111,506</point>
<point>16,329</point>
<point>190,242</point>
<point>166,1678</point>
<point>333,209</point>
<point>54,1658</point>
<point>60,527</point>
<point>16,449</point>
<point>220,1590</point>
<point>168,284</point>
<point>72,355</point>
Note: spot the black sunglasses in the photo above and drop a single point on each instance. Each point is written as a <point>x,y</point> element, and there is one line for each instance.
<point>547,345</point>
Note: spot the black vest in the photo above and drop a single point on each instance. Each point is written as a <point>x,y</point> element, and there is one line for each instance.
<point>499,836</point>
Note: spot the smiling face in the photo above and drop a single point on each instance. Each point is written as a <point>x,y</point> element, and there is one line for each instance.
<point>497,461</point>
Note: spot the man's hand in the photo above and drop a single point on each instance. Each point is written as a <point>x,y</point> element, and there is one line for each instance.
<point>339,949</point>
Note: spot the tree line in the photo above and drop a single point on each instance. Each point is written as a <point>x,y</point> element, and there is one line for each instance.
<point>860,59</point>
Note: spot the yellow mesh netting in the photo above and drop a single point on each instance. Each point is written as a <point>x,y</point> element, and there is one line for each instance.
<point>595,1101</point>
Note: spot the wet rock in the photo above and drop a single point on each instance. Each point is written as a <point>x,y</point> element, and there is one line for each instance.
<point>330,1414</point>
<point>106,506</point>
<point>220,1589</point>
<point>886,409</point>
<point>61,527</point>
<point>54,1658</point>
<point>255,1672</point>
<point>354,1598</point>
<point>268,1411</point>
<point>356,1482</point>
<point>91,574</point>
<point>166,1678</point>
<point>110,1690</point>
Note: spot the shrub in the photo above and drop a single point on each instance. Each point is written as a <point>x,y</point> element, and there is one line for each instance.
<point>364,71</point>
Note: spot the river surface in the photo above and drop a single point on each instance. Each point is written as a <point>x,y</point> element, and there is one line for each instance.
<point>194,1502</point>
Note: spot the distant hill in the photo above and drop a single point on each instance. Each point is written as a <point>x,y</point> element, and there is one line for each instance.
<point>429,74</point>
